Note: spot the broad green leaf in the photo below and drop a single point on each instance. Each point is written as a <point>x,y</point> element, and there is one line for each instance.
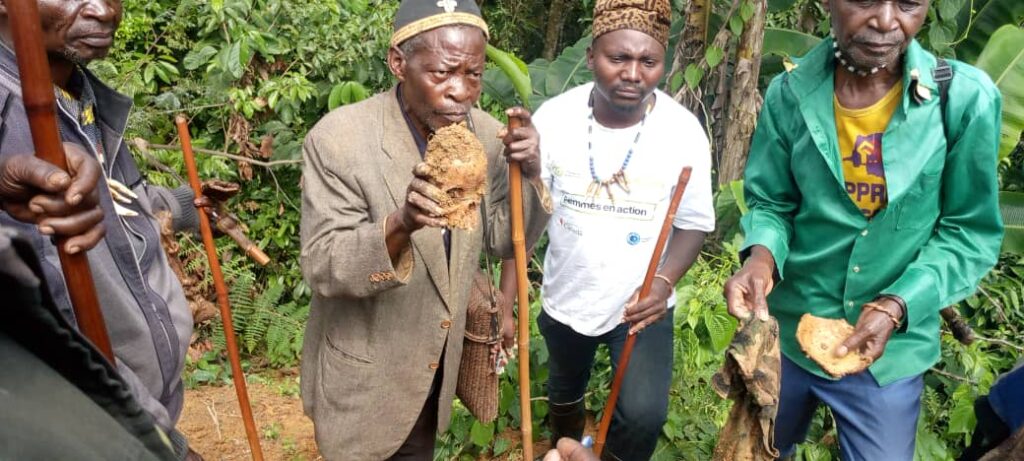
<point>940,35</point>
<point>481,434</point>
<point>782,44</point>
<point>720,326</point>
<point>677,82</point>
<point>736,25</point>
<point>514,70</point>
<point>501,445</point>
<point>693,75</point>
<point>737,193</point>
<point>217,5</point>
<point>961,417</point>
<point>197,58</point>
<point>949,9</point>
<point>569,69</point>
<point>233,62</point>
<point>992,14</point>
<point>1003,60</point>
<point>346,93</point>
<point>746,10</point>
<point>1011,204</point>
<point>713,55</point>
<point>787,42</point>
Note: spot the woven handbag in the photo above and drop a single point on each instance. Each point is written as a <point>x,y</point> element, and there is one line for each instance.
<point>478,381</point>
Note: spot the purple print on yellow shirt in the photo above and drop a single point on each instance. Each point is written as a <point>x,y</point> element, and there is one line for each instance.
<point>865,174</point>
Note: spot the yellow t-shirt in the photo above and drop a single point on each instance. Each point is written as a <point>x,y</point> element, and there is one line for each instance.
<point>860,145</point>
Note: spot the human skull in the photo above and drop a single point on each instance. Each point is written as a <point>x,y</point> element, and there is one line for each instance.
<point>456,164</point>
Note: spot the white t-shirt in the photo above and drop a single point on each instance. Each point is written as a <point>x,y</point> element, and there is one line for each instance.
<point>599,249</point>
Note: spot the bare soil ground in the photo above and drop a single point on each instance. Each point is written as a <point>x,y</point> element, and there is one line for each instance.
<point>212,422</point>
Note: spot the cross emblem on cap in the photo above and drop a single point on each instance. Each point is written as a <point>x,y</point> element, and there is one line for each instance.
<point>448,5</point>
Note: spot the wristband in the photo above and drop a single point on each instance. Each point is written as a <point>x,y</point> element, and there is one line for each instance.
<point>873,306</point>
<point>669,282</point>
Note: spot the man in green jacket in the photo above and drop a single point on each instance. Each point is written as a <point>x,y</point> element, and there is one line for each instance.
<point>883,238</point>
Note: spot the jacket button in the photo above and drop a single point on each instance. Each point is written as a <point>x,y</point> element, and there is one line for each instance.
<point>850,304</point>
<point>434,366</point>
<point>446,324</point>
<point>864,233</point>
<point>856,269</point>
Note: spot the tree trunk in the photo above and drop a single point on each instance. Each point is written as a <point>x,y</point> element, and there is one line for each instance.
<point>744,99</point>
<point>690,50</point>
<point>556,16</point>
<point>717,120</point>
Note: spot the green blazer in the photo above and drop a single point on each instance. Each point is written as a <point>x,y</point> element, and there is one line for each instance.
<point>931,245</point>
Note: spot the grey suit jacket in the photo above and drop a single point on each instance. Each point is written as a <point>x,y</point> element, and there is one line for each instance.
<point>376,332</point>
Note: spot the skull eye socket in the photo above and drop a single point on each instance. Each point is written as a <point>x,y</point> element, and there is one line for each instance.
<point>456,193</point>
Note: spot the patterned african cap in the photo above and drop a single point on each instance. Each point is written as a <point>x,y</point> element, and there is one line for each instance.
<point>417,16</point>
<point>652,17</point>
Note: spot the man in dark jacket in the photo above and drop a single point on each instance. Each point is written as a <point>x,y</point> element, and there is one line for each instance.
<point>61,398</point>
<point>144,305</point>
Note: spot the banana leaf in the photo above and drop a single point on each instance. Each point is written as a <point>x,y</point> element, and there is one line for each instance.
<point>1003,60</point>
<point>991,15</point>
<point>1011,204</point>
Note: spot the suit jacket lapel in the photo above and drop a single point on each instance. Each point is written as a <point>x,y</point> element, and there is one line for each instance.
<point>403,155</point>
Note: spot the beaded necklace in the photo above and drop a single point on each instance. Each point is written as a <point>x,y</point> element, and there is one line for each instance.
<point>619,177</point>
<point>841,56</point>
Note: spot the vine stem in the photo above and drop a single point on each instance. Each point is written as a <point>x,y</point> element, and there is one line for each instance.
<point>954,376</point>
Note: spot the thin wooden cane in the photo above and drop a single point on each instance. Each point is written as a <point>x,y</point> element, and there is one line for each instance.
<point>37,93</point>
<point>222,293</point>
<point>645,289</point>
<point>515,180</point>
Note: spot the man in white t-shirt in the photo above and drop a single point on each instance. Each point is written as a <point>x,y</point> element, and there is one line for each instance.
<point>611,154</point>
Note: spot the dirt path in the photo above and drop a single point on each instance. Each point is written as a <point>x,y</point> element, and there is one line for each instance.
<point>212,422</point>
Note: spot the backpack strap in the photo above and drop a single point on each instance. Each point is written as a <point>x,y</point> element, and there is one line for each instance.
<point>943,75</point>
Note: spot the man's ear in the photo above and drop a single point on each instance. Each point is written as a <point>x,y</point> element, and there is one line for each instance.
<point>590,58</point>
<point>396,62</point>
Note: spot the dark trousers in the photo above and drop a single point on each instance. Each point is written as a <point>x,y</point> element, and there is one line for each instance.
<point>642,407</point>
<point>874,422</point>
<point>419,445</point>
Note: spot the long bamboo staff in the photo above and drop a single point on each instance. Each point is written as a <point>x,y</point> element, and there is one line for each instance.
<point>222,293</point>
<point>645,289</point>
<point>37,92</point>
<point>515,180</point>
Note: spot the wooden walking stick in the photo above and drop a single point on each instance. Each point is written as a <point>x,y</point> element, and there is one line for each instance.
<point>645,289</point>
<point>222,293</point>
<point>37,93</point>
<point>515,180</point>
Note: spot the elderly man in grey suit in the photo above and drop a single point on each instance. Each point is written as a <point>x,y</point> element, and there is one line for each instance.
<point>390,282</point>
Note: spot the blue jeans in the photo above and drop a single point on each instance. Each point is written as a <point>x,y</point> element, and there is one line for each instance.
<point>1007,398</point>
<point>642,407</point>
<point>874,422</point>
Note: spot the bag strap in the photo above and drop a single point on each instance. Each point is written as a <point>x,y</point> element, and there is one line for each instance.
<point>943,76</point>
<point>491,295</point>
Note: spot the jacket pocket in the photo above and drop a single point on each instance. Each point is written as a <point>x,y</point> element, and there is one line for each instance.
<point>919,209</point>
<point>336,352</point>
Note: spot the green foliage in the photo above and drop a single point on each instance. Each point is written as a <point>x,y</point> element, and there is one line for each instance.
<point>1012,206</point>
<point>263,324</point>
<point>1003,60</point>
<point>781,45</point>
<point>990,15</point>
<point>547,79</point>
